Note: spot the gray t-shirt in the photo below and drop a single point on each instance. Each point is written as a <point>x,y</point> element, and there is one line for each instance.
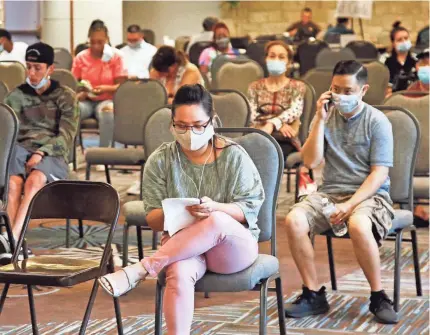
<point>232,178</point>
<point>352,146</point>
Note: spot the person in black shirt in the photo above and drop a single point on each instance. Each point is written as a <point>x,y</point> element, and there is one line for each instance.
<point>304,29</point>
<point>401,63</point>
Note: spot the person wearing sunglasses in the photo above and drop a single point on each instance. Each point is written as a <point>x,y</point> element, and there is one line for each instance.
<point>223,236</point>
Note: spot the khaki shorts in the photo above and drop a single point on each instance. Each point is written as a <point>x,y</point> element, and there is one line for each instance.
<point>376,208</point>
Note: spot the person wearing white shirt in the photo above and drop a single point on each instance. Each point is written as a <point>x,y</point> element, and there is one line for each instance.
<point>206,35</point>
<point>137,53</point>
<point>11,51</point>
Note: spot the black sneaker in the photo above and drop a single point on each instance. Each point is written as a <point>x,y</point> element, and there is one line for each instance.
<point>308,303</point>
<point>382,307</point>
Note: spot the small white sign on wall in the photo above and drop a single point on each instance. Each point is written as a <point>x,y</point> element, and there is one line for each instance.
<point>356,9</point>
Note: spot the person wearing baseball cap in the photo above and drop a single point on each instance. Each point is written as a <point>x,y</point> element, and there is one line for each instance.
<point>48,121</point>
<point>423,72</point>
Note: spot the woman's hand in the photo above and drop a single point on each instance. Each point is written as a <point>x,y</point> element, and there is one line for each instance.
<point>287,131</point>
<point>102,89</point>
<point>203,210</point>
<point>82,96</point>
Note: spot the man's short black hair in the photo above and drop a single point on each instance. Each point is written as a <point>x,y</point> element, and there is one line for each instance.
<point>5,33</point>
<point>307,9</point>
<point>134,28</point>
<point>353,68</point>
<point>342,20</point>
<point>209,22</point>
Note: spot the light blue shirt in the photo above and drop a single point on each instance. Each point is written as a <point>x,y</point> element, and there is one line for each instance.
<point>352,146</point>
<point>137,60</point>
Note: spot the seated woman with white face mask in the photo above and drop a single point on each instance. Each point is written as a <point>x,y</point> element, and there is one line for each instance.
<point>223,238</point>
<point>277,101</point>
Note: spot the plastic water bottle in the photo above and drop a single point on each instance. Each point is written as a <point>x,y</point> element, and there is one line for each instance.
<point>328,209</point>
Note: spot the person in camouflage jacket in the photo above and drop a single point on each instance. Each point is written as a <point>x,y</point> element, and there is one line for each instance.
<point>48,122</point>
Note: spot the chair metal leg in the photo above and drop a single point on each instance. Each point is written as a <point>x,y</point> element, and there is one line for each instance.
<point>416,263</point>
<point>207,296</point>
<point>67,233</point>
<point>81,142</point>
<point>32,310</point>
<point>139,242</point>
<point>296,191</point>
<point>281,310</point>
<point>117,307</point>
<point>140,183</point>
<point>3,296</point>
<point>81,229</point>
<point>263,307</point>
<point>158,309</point>
<point>89,308</point>
<point>331,264</point>
<point>397,270</point>
<point>107,174</point>
<point>125,245</point>
<point>154,240</point>
<point>87,172</point>
<point>288,180</point>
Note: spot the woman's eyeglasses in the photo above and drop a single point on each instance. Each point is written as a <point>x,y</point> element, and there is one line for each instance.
<point>198,130</point>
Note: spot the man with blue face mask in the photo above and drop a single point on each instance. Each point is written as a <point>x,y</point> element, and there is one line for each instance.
<point>355,141</point>
<point>48,120</point>
<point>423,72</point>
<point>9,50</point>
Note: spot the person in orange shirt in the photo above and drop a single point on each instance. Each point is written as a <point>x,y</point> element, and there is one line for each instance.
<point>100,70</point>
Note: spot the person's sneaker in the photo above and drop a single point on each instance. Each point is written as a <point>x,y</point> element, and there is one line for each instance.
<point>382,307</point>
<point>308,303</point>
<point>4,244</point>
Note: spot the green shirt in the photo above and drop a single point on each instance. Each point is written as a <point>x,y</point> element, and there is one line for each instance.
<point>232,178</point>
<point>47,122</point>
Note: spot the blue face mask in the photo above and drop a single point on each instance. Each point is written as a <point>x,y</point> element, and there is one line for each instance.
<point>424,74</point>
<point>38,86</point>
<point>346,104</point>
<point>404,46</point>
<point>276,67</point>
<point>1,48</point>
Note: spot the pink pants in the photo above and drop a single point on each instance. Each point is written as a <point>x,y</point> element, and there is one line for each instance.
<point>219,244</point>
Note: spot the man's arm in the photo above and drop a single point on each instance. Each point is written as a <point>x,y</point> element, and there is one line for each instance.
<point>313,149</point>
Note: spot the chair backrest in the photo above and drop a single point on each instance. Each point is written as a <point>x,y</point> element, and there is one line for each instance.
<point>256,52</point>
<point>363,50</point>
<point>240,42</point>
<point>4,90</point>
<point>238,76</point>
<point>133,102</point>
<point>72,199</point>
<point>232,107</point>
<point>327,58</point>
<point>62,59</point>
<point>320,79</point>
<point>220,60</point>
<point>8,134</point>
<point>196,49</point>
<point>419,107</point>
<point>406,136</point>
<point>65,78</point>
<point>307,52</point>
<point>149,36</point>
<point>309,109</point>
<point>12,74</point>
<point>80,47</point>
<point>156,130</point>
<point>267,156</point>
<point>378,77</point>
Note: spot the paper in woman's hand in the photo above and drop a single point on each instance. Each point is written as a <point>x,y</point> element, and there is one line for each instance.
<point>176,215</point>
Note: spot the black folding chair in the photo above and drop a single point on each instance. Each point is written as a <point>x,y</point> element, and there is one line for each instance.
<point>82,200</point>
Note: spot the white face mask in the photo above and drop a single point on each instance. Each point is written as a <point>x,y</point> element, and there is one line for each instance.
<point>347,104</point>
<point>107,53</point>
<point>191,141</point>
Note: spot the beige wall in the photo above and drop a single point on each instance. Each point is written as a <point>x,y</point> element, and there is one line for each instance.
<point>170,18</point>
<point>265,17</point>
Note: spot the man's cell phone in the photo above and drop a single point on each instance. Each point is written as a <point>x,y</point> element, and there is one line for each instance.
<point>328,104</point>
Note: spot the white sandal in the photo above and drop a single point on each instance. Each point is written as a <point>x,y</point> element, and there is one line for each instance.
<point>117,286</point>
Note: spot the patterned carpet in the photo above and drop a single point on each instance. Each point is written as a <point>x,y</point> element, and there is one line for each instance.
<point>349,313</point>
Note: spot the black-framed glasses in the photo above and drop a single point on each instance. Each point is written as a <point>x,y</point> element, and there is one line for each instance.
<point>198,130</point>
